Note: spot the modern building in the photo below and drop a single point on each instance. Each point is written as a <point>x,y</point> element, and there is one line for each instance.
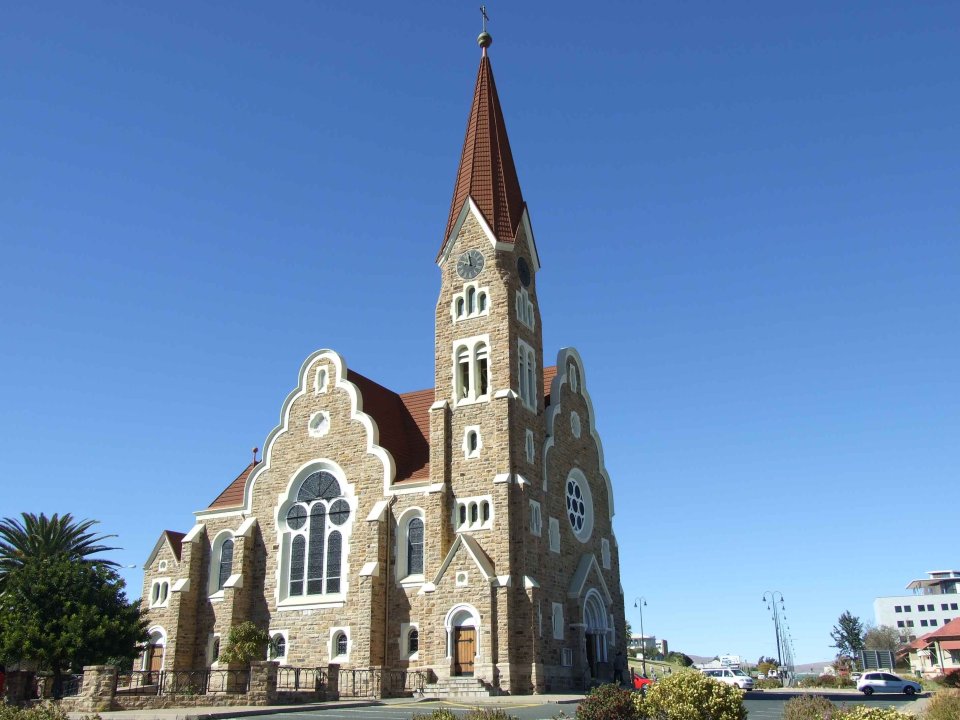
<point>932,603</point>
<point>463,529</point>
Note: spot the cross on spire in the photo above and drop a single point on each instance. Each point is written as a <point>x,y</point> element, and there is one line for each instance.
<point>483,12</point>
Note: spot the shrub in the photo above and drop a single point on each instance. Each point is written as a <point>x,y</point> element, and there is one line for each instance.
<point>944,705</point>
<point>607,702</point>
<point>827,681</point>
<point>809,707</point>
<point>691,695</point>
<point>767,684</point>
<point>43,711</point>
<point>862,712</point>
<point>245,642</point>
<point>488,714</point>
<point>950,680</point>
<point>438,714</point>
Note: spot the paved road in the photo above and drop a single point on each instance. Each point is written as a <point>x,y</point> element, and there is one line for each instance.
<point>761,706</point>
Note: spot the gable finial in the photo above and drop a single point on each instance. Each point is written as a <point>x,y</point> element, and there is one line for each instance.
<point>484,40</point>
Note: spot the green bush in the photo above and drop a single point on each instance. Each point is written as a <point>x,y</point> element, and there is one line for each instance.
<point>862,712</point>
<point>809,707</point>
<point>944,705</point>
<point>950,680</point>
<point>767,684</point>
<point>607,702</point>
<point>438,714</point>
<point>690,695</point>
<point>488,714</point>
<point>245,642</point>
<point>43,711</point>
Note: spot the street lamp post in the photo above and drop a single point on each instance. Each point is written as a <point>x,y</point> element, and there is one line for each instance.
<point>641,602</point>
<point>772,600</point>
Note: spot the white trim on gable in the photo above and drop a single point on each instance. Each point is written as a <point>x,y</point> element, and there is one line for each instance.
<point>564,357</point>
<point>470,206</point>
<point>475,552</point>
<point>588,561</point>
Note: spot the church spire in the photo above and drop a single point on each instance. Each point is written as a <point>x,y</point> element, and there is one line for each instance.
<point>487,173</point>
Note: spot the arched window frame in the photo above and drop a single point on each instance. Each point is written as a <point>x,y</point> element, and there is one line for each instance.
<point>473,513</point>
<point>216,582</point>
<point>471,302</point>
<point>160,593</point>
<point>281,638</point>
<point>406,632</point>
<point>403,574</point>
<point>339,640</point>
<point>472,442</point>
<point>527,375</point>
<point>472,379</point>
<point>292,538</point>
<point>525,308</point>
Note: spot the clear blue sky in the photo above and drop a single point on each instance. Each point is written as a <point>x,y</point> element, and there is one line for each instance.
<point>747,215</point>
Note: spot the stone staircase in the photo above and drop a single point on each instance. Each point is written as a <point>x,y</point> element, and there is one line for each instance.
<point>459,687</point>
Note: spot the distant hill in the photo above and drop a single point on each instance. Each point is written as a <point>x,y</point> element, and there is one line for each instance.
<point>814,667</point>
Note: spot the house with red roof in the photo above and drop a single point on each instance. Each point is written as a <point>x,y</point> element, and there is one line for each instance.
<point>464,530</point>
<point>936,653</point>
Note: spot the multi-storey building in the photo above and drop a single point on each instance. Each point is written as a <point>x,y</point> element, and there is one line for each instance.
<point>933,602</point>
<point>465,529</point>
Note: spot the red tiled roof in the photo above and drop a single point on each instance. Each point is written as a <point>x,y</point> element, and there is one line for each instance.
<point>176,541</point>
<point>232,496</point>
<point>403,420</point>
<point>404,424</point>
<point>549,373</point>
<point>486,172</point>
<point>950,630</point>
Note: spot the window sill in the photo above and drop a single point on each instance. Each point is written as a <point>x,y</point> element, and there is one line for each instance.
<point>471,401</point>
<point>216,597</point>
<point>412,581</point>
<point>313,602</point>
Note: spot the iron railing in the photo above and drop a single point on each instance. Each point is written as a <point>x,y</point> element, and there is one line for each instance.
<point>186,682</point>
<point>368,683</point>
<point>305,679</point>
<point>70,685</point>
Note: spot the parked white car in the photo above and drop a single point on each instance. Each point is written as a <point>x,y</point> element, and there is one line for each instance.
<point>731,677</point>
<point>884,682</point>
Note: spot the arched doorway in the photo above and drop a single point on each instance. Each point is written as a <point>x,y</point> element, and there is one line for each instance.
<point>595,631</point>
<point>154,653</point>
<point>463,639</point>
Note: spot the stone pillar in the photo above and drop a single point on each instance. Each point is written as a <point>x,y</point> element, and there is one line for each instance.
<point>263,682</point>
<point>333,681</point>
<point>98,689</point>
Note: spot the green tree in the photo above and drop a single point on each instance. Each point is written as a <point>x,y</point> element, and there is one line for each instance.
<point>38,536</point>
<point>882,637</point>
<point>629,632</point>
<point>245,642</point>
<point>847,635</point>
<point>61,613</point>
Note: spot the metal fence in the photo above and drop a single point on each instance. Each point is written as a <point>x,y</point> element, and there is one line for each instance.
<point>184,682</point>
<point>305,679</point>
<point>367,683</point>
<point>70,685</point>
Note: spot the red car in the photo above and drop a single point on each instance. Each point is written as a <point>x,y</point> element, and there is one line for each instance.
<point>640,682</point>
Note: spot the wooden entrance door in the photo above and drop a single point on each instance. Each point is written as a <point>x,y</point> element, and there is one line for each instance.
<point>464,650</point>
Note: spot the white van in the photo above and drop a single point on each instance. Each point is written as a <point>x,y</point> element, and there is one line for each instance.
<point>731,677</point>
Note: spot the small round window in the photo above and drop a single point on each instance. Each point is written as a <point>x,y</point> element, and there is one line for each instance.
<point>579,505</point>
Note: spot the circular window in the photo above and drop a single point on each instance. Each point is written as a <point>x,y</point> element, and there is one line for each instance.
<point>579,505</point>
<point>339,512</point>
<point>297,517</point>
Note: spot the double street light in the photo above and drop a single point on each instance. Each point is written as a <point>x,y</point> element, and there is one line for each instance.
<point>641,603</point>
<point>771,601</point>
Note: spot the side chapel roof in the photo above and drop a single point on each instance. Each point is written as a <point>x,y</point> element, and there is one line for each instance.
<point>404,423</point>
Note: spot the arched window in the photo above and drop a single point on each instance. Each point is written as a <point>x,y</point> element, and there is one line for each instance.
<point>226,563</point>
<point>481,302</point>
<point>471,300</point>
<point>278,647</point>
<point>415,547</point>
<point>483,384</point>
<point>463,373</point>
<point>413,641</point>
<point>460,307</point>
<point>340,644</point>
<point>317,521</point>
<point>471,371</point>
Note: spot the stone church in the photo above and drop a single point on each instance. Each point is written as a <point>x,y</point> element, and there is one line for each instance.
<point>464,529</point>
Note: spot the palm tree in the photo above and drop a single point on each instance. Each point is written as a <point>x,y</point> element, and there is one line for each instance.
<point>41,537</point>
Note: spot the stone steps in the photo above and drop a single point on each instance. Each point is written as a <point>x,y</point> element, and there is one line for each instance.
<point>459,687</point>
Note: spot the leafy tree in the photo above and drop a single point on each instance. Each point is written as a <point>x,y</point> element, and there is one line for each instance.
<point>245,642</point>
<point>42,537</point>
<point>61,613</point>
<point>629,632</point>
<point>882,637</point>
<point>847,635</point>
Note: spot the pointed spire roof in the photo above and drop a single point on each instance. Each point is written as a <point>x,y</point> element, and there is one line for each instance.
<point>487,173</point>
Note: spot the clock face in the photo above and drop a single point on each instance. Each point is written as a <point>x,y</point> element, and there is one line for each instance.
<point>523,270</point>
<point>470,264</point>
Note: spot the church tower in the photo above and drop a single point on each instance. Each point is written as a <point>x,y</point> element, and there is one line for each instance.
<point>489,365</point>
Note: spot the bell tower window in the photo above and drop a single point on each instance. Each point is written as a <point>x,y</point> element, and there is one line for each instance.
<point>471,302</point>
<point>527,372</point>
<point>471,370</point>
